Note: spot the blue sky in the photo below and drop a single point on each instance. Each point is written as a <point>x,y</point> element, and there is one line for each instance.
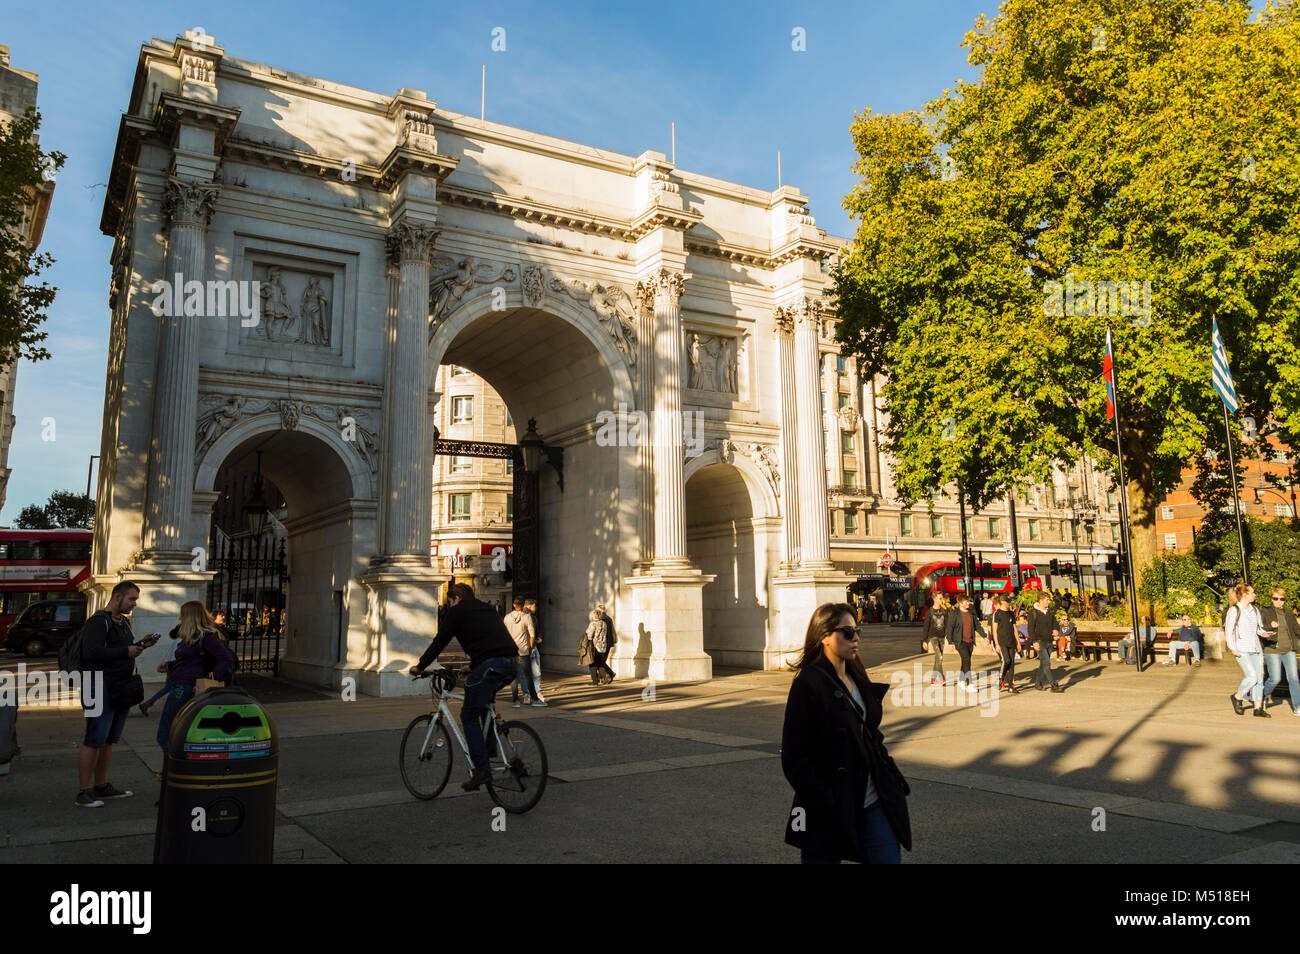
<point>608,75</point>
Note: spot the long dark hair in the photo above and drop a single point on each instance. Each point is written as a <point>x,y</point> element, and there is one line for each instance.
<point>824,620</point>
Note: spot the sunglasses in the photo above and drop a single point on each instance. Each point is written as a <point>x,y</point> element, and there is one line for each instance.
<point>848,632</point>
<point>1279,599</point>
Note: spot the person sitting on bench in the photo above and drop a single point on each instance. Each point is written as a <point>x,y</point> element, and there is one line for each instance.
<point>1187,636</point>
<point>1126,644</point>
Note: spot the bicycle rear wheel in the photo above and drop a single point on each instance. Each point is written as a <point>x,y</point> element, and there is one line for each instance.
<point>519,770</point>
<point>425,767</point>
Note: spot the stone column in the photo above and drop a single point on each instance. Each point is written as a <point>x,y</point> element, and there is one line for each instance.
<point>814,536</point>
<point>187,210</point>
<point>645,399</point>
<point>670,487</point>
<point>789,436</point>
<point>407,502</point>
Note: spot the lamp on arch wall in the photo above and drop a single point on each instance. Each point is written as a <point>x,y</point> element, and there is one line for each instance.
<point>256,510</point>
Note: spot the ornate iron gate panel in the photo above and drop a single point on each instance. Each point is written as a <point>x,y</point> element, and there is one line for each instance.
<point>249,589</point>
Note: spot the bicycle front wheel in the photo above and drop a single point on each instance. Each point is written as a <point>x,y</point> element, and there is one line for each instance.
<point>519,769</point>
<point>425,757</point>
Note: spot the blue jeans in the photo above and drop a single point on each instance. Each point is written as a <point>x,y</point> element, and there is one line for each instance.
<point>1177,644</point>
<point>1252,687</point>
<point>167,687</point>
<point>480,689</point>
<point>879,846</point>
<point>1275,663</point>
<point>176,699</point>
<point>537,671</point>
<point>525,678</point>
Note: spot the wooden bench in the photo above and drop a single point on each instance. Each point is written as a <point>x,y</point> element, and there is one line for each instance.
<point>1094,643</point>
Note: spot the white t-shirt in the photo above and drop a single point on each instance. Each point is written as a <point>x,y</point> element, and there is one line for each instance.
<point>872,795</point>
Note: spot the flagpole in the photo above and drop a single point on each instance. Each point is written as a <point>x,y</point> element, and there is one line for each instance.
<point>1236,497</point>
<point>1126,527</point>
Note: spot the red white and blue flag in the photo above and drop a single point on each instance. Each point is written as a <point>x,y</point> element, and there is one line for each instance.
<point>1108,372</point>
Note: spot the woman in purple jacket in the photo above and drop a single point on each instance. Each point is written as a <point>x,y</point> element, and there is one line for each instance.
<point>199,652</point>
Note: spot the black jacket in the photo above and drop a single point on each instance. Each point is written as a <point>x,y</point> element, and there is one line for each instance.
<point>952,627</point>
<point>1287,632</point>
<point>105,646</point>
<point>478,628</point>
<point>1040,627</point>
<point>827,753</point>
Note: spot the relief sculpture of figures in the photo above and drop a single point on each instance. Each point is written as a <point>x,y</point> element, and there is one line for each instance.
<point>694,381</point>
<point>451,279</point>
<point>614,309</point>
<point>217,421</point>
<point>279,319</point>
<point>315,313</point>
<point>712,362</point>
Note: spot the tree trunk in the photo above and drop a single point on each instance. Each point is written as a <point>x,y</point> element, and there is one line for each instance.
<point>1142,541</point>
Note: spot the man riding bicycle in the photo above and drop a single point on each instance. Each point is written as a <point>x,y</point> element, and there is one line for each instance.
<point>492,660</point>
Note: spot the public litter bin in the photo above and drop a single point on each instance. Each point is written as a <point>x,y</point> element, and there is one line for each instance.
<point>220,770</point>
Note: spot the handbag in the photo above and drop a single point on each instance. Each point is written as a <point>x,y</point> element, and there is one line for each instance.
<point>126,693</point>
<point>203,684</point>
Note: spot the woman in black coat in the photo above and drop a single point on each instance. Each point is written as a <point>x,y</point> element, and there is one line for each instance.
<point>850,800</point>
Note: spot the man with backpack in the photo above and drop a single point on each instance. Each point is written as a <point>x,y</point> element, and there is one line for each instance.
<point>105,650</point>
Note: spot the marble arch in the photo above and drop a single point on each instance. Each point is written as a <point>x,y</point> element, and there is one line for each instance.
<point>386,234</point>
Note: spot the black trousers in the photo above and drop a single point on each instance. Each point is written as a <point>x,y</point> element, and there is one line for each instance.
<point>964,651</point>
<point>1008,673</point>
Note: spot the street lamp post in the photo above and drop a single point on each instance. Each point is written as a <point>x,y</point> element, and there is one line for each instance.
<point>1295,516</point>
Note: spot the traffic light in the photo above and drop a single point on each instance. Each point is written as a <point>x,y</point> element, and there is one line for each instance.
<point>1054,566</point>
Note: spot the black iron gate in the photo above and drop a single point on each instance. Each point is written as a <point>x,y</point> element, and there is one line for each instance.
<point>249,589</point>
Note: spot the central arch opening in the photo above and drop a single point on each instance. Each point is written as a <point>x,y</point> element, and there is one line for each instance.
<point>544,368</point>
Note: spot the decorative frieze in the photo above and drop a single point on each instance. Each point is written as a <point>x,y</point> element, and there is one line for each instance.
<point>218,413</point>
<point>452,278</point>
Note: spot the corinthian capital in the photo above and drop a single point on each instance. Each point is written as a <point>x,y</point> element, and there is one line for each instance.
<point>189,203</point>
<point>409,242</point>
<point>784,318</point>
<point>807,312</point>
<point>664,282</point>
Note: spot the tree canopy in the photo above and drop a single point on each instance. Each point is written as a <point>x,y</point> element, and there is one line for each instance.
<point>24,169</point>
<point>1149,144</point>
<point>65,508</point>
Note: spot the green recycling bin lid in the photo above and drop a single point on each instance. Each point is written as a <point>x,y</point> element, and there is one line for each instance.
<point>228,732</point>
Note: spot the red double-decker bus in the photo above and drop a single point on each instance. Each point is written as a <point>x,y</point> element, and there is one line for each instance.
<point>40,565</point>
<point>947,577</point>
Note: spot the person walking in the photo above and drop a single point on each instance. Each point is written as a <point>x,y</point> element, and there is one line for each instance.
<point>519,625</point>
<point>598,635</point>
<point>108,654</point>
<point>530,607</point>
<point>1041,633</point>
<point>200,651</point>
<point>1281,654</point>
<point>850,799</point>
<point>1242,628</point>
<point>933,635</point>
<point>960,629</point>
<point>1004,631</point>
<point>1187,636</point>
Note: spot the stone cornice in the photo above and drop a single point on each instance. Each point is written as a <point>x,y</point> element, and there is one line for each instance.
<point>404,160</point>
<point>131,132</point>
<point>530,209</point>
<point>261,154</point>
<point>174,111</point>
<point>662,216</point>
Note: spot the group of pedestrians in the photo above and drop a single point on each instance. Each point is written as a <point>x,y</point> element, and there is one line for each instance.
<point>1264,641</point>
<point>108,650</point>
<point>958,626</point>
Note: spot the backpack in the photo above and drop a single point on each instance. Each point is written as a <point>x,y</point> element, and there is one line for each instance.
<point>70,659</point>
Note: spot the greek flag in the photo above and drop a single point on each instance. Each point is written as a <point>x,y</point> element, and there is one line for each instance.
<point>1221,373</point>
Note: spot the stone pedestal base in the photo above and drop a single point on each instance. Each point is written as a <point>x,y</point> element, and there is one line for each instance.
<point>403,619</point>
<point>666,640</point>
<point>797,594</point>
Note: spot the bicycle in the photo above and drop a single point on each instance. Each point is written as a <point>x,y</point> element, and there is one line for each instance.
<point>516,755</point>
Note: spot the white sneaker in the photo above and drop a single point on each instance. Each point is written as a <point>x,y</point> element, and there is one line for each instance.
<point>516,703</point>
<point>1165,662</point>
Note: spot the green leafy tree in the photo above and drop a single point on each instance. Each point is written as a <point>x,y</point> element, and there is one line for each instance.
<point>65,508</point>
<point>1122,141</point>
<point>1175,584</point>
<point>1272,551</point>
<point>24,171</point>
<point>33,517</point>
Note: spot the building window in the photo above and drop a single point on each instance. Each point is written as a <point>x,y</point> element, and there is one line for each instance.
<point>1166,513</point>
<point>850,522</point>
<point>826,402</point>
<point>905,524</point>
<point>1171,541</point>
<point>970,530</point>
<point>462,410</point>
<point>1033,530</point>
<point>1110,500</point>
<point>510,465</point>
<point>510,508</point>
<point>458,372</point>
<point>1074,532</point>
<point>510,421</point>
<point>841,363</point>
<point>995,528</point>
<point>462,465</point>
<point>1281,510</point>
<point>851,479</point>
<point>1114,533</point>
<point>936,526</point>
<point>834,532</point>
<point>460,504</point>
<point>846,442</point>
<point>844,399</point>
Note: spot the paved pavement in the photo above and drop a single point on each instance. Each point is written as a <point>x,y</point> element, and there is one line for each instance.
<point>692,774</point>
